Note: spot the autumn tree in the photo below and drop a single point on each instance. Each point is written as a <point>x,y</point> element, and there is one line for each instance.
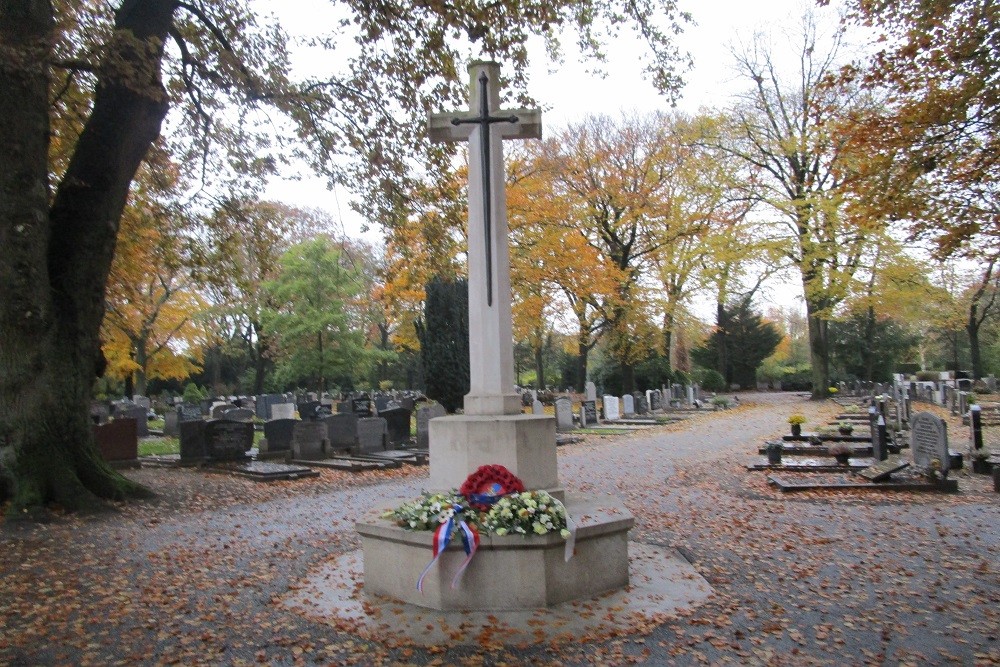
<point>113,71</point>
<point>785,130</point>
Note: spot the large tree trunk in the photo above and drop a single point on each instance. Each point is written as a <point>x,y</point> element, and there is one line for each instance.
<point>55,262</point>
<point>819,352</point>
<point>539,365</point>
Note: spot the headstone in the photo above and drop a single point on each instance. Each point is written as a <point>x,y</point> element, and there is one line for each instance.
<point>228,440</point>
<point>628,405</point>
<point>206,407</point>
<point>564,414</point>
<point>309,440</point>
<point>656,401</point>
<point>282,411</point>
<point>641,405</point>
<point>588,412</point>
<point>373,435</point>
<point>362,406</point>
<point>342,431</point>
<point>690,394</point>
<point>278,433</point>
<point>424,417</point>
<point>591,391</point>
<point>309,410</point>
<point>929,441</point>
<point>192,437</point>
<point>171,424</point>
<point>397,420</point>
<point>611,408</point>
<point>240,415</point>
<point>537,408</point>
<point>118,440</point>
<point>139,414</point>
<point>220,408</point>
<point>100,413</point>
<point>187,412</point>
<point>142,401</point>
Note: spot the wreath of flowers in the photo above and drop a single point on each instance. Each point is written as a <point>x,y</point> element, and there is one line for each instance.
<point>527,513</point>
<point>488,484</point>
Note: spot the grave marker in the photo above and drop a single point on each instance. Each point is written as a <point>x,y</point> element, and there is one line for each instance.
<point>564,414</point>
<point>611,408</point>
<point>228,440</point>
<point>929,442</point>
<point>588,412</point>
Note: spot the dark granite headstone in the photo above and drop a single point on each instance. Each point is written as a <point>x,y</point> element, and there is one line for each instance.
<point>220,409</point>
<point>171,422</point>
<point>118,440</point>
<point>192,437</point>
<point>189,412</point>
<point>309,409</point>
<point>372,435</point>
<point>139,414</point>
<point>278,433</point>
<point>309,440</point>
<point>100,413</point>
<point>361,406</point>
<point>589,410</point>
<point>641,404</point>
<point>342,431</point>
<point>240,415</point>
<point>655,401</point>
<point>228,440</point>
<point>397,420</point>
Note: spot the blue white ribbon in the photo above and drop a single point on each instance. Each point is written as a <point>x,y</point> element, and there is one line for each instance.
<point>442,538</point>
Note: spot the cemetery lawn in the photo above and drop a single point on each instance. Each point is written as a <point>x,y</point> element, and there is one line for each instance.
<point>155,446</point>
<point>197,574</point>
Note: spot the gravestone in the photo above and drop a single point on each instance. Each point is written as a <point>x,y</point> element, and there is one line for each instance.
<point>628,405</point>
<point>240,415</point>
<point>929,441</point>
<point>187,412</point>
<point>142,401</point>
<point>641,404</point>
<point>100,413</point>
<point>278,433</point>
<point>220,408</point>
<point>656,401</point>
<point>611,408</point>
<point>118,440</point>
<point>424,417</point>
<point>282,411</point>
<point>206,406</point>
<point>309,410</point>
<point>564,414</point>
<point>342,431</point>
<point>138,413</point>
<point>591,391</point>
<point>192,437</point>
<point>171,424</point>
<point>537,408</point>
<point>588,413</point>
<point>228,440</point>
<point>397,420</point>
<point>373,435</point>
<point>362,406</point>
<point>309,440</point>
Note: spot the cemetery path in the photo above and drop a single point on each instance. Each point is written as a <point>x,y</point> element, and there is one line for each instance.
<point>811,578</point>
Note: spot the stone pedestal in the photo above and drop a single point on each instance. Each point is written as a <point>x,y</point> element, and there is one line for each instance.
<point>507,573</point>
<point>524,444</point>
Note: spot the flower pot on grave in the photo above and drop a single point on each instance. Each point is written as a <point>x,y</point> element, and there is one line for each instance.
<point>842,459</point>
<point>980,465</point>
<point>774,453</point>
<point>796,430</point>
<point>845,431</point>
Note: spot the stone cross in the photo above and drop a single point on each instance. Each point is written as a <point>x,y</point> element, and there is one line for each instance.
<point>485,126</point>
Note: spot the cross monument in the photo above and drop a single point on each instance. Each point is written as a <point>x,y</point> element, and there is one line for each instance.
<point>485,126</point>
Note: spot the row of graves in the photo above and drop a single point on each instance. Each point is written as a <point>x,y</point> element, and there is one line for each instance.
<point>635,410</point>
<point>356,434</point>
<point>876,444</point>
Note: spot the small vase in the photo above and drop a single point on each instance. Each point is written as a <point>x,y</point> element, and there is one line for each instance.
<point>796,430</point>
<point>843,459</point>
<point>980,466</point>
<point>774,453</point>
<point>845,431</point>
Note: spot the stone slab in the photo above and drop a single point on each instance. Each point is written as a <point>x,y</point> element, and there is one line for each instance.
<point>263,471</point>
<point>662,583</point>
<point>350,464</point>
<point>810,465</point>
<point>788,485</point>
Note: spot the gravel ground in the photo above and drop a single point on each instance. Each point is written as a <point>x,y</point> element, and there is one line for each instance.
<point>844,577</point>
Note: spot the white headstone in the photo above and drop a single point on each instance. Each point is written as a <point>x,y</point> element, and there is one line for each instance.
<point>537,408</point>
<point>611,408</point>
<point>591,391</point>
<point>690,394</point>
<point>564,414</point>
<point>628,405</point>
<point>485,126</point>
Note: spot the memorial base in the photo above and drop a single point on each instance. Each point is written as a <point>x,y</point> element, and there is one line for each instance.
<point>511,572</point>
<point>524,444</point>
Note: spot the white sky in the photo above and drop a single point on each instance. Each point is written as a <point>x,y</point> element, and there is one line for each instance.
<point>567,92</point>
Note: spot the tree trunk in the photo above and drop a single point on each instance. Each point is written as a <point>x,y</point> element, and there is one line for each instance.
<point>539,366</point>
<point>54,262</point>
<point>972,327</point>
<point>628,378</point>
<point>819,352</point>
<point>868,353</point>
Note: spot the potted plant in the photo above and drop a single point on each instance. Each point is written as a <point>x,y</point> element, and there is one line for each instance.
<point>841,451</point>
<point>845,428</point>
<point>796,422</point>
<point>773,453</point>
<point>980,461</point>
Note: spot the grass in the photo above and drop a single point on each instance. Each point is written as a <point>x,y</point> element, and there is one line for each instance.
<point>159,446</point>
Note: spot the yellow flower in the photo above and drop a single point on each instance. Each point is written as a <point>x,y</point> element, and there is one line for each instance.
<point>539,528</point>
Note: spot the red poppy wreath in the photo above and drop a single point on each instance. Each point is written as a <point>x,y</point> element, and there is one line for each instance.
<point>485,486</point>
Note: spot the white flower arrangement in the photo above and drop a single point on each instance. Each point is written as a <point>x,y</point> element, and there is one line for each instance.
<point>527,513</point>
<point>431,510</point>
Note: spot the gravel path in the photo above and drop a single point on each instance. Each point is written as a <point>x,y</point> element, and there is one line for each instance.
<point>818,578</point>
